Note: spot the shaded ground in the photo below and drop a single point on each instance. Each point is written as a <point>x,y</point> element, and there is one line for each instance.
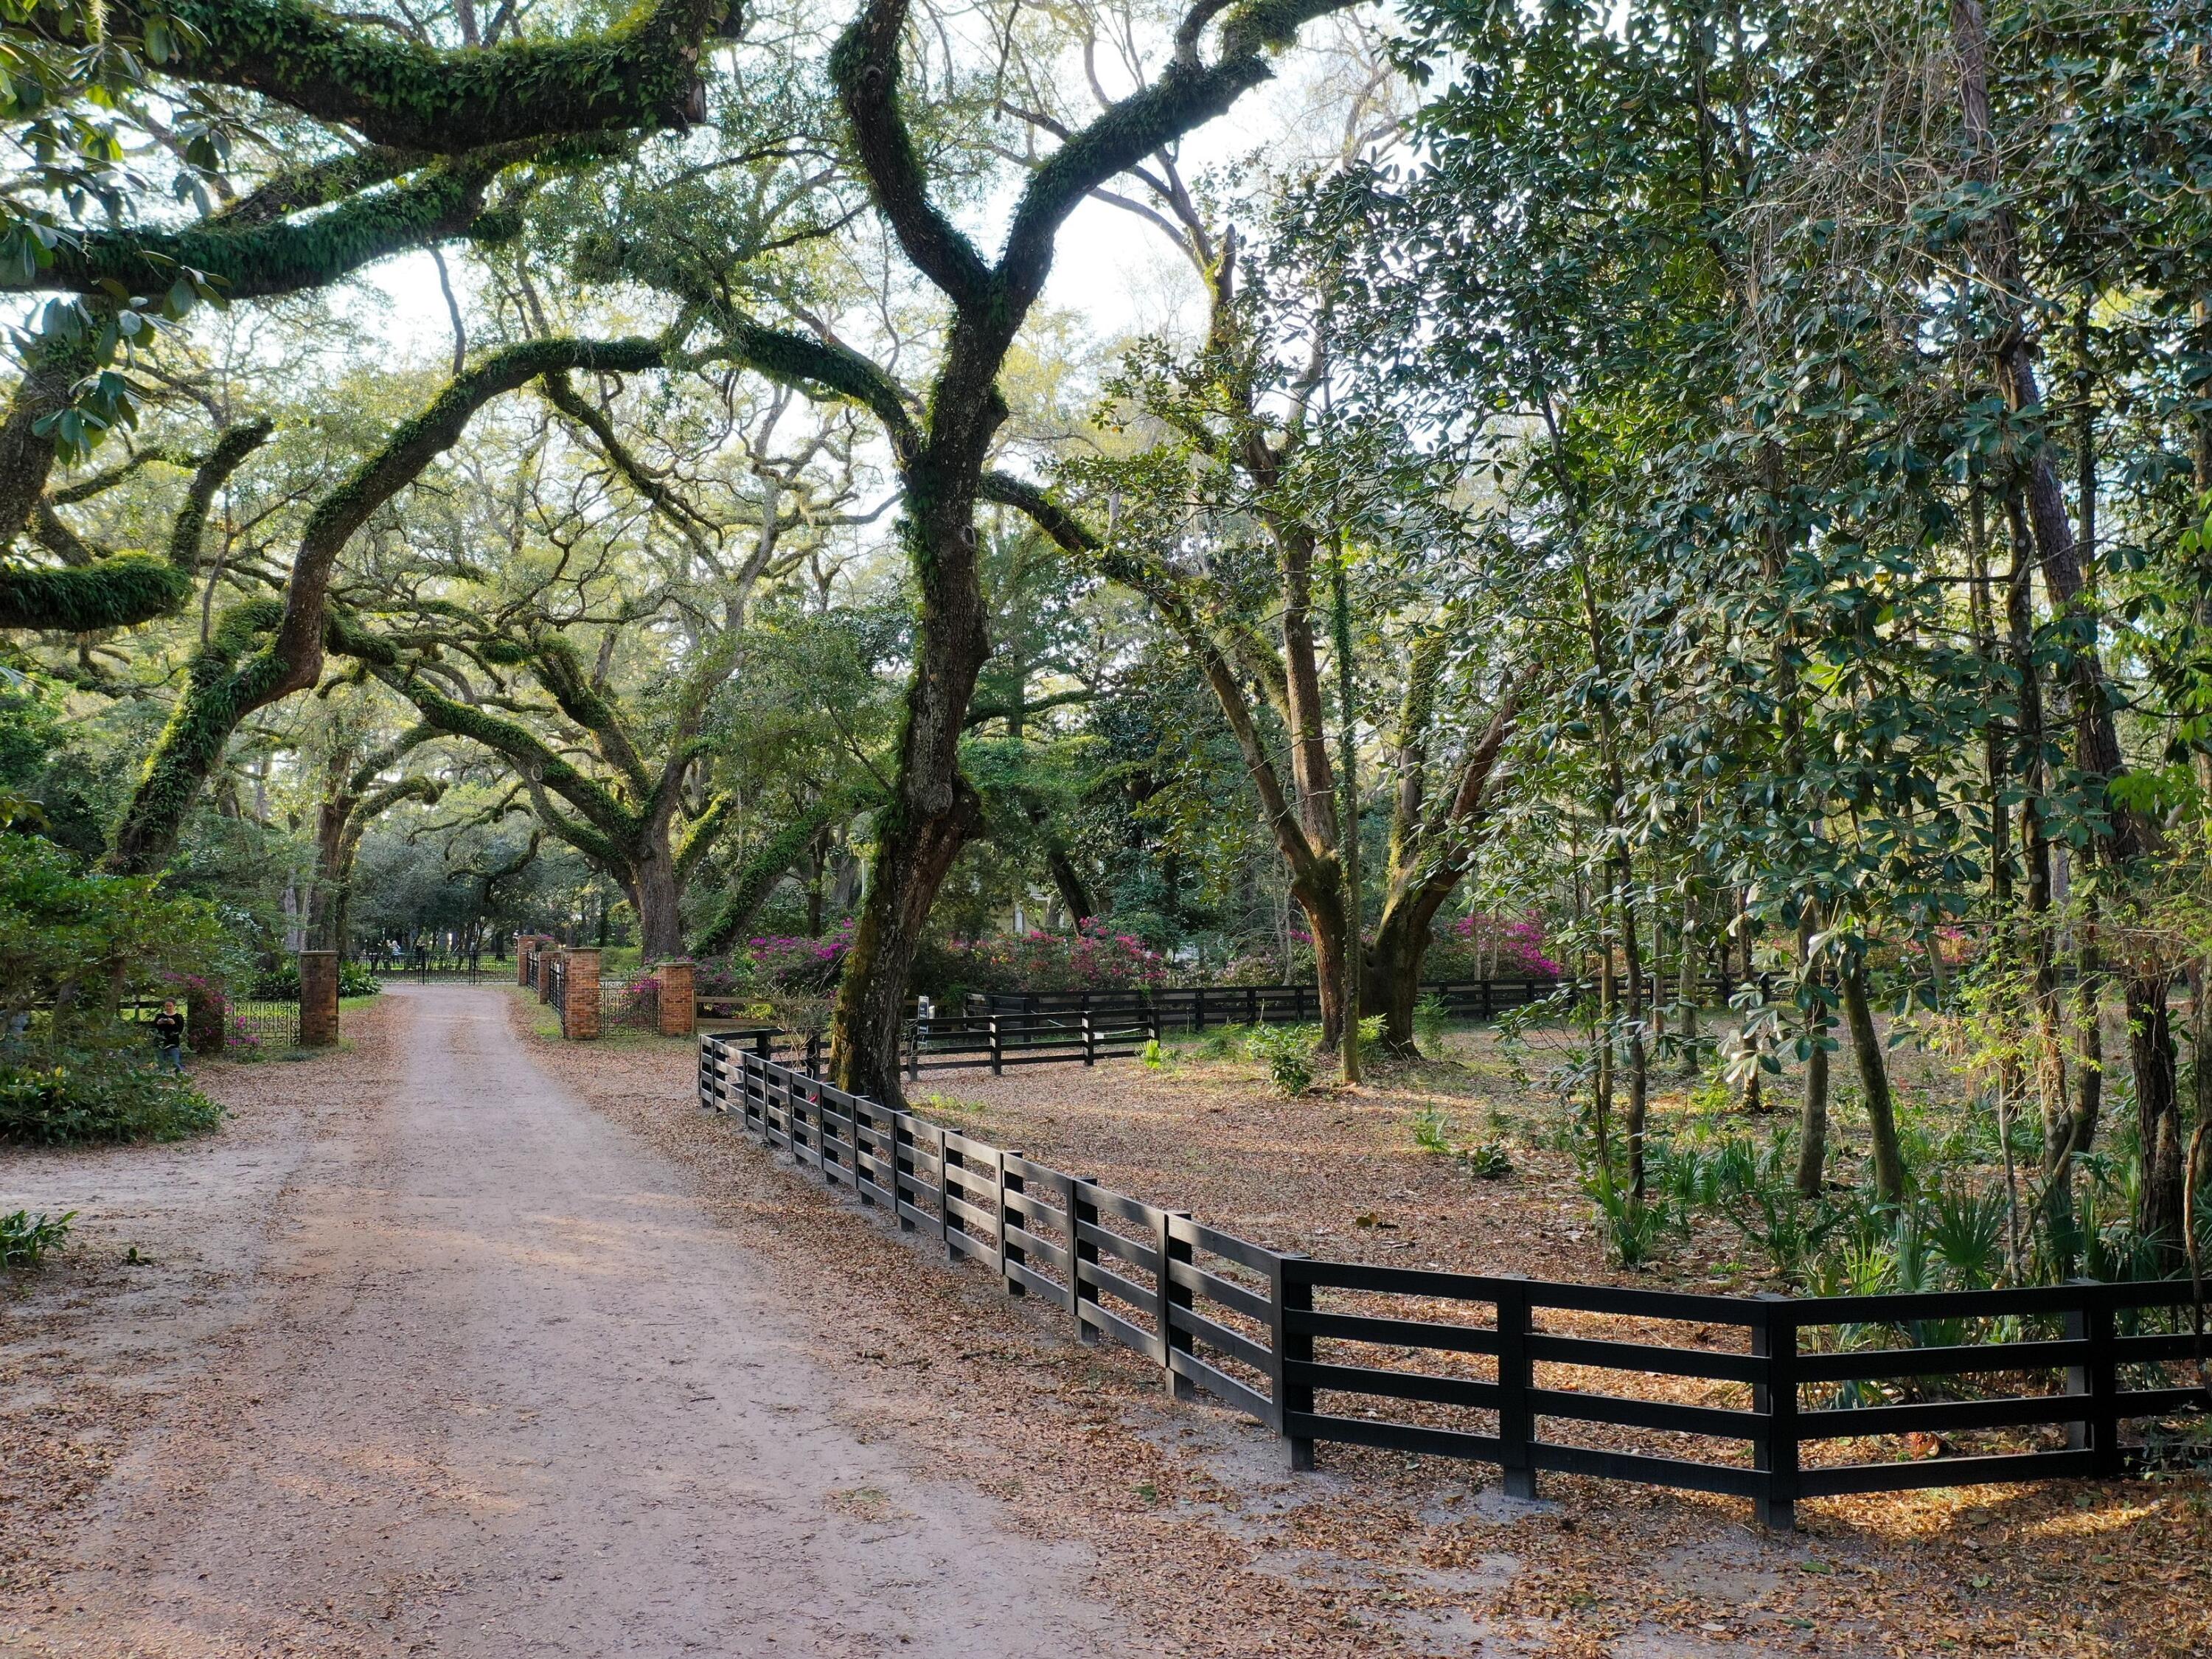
<point>1381,1552</point>
<point>427,1357</point>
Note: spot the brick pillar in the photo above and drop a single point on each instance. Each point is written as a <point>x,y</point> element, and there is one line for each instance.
<point>675,998</point>
<point>546,955</point>
<point>318,999</point>
<point>579,1016</point>
<point>524,945</point>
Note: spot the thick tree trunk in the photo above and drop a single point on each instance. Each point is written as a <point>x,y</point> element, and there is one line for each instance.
<point>934,811</point>
<point>2158,1115</point>
<point>657,895</point>
<point>1873,1083</point>
<point>323,896</point>
<point>1069,883</point>
<point>912,860</point>
<point>1392,984</point>
<point>1324,913</point>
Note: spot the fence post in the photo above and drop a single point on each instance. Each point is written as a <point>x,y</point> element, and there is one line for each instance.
<point>1010,1180</point>
<point>948,1161</point>
<point>1486,1006</point>
<point>998,1052</point>
<point>2096,1380</point>
<point>901,1167</point>
<point>814,1054</point>
<point>1090,1040</point>
<point>1082,1212</point>
<point>1173,1339</point>
<point>912,1050</point>
<point>1251,1005</point>
<point>1299,1002</point>
<point>1774,1450</point>
<point>1197,1009</point>
<point>1516,1424</point>
<point>763,1041</point>
<point>1289,1291</point>
<point>675,1003</point>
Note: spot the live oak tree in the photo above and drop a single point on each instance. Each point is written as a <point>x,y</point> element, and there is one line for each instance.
<point>1232,514</point>
<point>394,143</point>
<point>608,753</point>
<point>943,451</point>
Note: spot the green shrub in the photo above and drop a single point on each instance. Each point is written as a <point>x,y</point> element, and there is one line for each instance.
<point>1486,1160</point>
<point>1429,1025</point>
<point>25,1242</point>
<point>1632,1228</point>
<point>1219,1042</point>
<point>280,982</point>
<point>1432,1130</point>
<point>98,1094</point>
<point>1287,1051</point>
<point>357,980</point>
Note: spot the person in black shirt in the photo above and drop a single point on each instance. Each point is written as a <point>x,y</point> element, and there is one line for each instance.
<point>169,1037</point>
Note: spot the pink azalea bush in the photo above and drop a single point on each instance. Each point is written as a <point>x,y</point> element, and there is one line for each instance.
<point>1471,945</point>
<point>777,962</point>
<point>1094,958</point>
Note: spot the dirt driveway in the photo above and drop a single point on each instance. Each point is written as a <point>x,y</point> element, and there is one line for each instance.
<point>439,1361</point>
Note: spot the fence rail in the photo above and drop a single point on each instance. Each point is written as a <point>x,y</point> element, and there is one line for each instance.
<point>1195,1007</point>
<point>1481,1366</point>
<point>945,1043</point>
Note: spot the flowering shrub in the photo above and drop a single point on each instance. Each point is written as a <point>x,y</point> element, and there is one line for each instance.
<point>1093,958</point>
<point>1472,945</point>
<point>796,964</point>
<point>243,1045</point>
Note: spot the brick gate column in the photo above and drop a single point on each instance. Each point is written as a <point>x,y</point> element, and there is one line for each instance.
<point>580,1004</point>
<point>675,998</point>
<point>318,999</point>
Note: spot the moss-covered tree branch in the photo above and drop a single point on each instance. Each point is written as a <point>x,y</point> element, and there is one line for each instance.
<point>256,258</point>
<point>127,588</point>
<point>642,73</point>
<point>763,868</point>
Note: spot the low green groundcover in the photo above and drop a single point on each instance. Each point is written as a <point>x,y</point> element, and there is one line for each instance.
<point>62,1096</point>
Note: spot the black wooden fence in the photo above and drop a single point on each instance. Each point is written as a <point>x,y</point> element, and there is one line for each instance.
<point>1484,1366</point>
<point>1195,1007</point>
<point>944,1042</point>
